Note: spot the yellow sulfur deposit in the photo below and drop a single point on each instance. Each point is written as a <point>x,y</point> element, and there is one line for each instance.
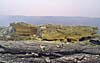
<point>24,29</point>
<point>70,33</point>
<point>50,32</point>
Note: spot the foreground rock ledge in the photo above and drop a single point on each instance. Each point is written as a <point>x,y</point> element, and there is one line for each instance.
<point>47,52</point>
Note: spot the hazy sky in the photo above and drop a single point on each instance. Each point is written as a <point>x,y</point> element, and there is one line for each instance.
<point>84,8</point>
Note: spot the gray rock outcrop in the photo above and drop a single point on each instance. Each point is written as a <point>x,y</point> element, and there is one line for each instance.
<point>43,52</point>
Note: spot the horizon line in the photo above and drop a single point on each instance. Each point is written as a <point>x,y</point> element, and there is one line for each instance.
<point>52,16</point>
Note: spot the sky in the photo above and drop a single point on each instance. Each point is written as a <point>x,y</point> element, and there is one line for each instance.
<point>83,8</point>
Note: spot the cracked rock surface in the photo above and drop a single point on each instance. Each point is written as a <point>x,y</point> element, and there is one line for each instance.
<point>43,52</point>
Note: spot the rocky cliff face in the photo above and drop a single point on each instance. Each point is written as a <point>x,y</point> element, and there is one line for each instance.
<point>49,51</point>
<point>49,32</point>
<point>24,29</point>
<point>69,33</point>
